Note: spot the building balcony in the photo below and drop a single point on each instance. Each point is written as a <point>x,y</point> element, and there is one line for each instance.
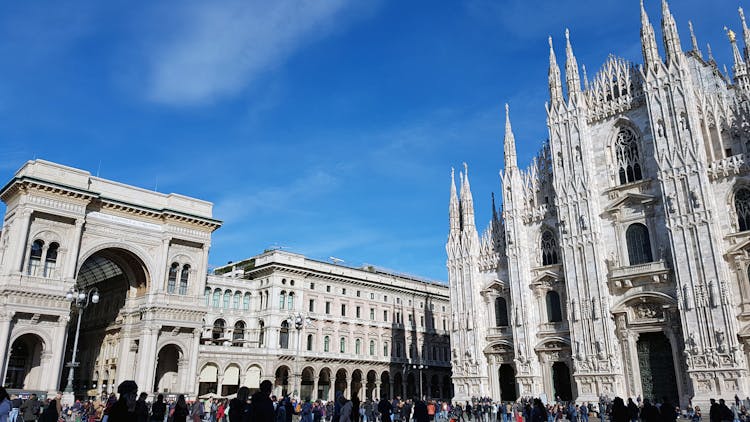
<point>633,275</point>
<point>496,332</point>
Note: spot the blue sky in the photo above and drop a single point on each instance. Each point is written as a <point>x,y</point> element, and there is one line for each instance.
<point>325,127</point>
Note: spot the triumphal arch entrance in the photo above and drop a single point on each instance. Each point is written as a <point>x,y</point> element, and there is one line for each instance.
<point>68,236</point>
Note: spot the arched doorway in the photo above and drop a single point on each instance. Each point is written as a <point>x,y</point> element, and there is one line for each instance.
<point>340,384</point>
<point>434,387</point>
<point>447,387</point>
<point>281,381</point>
<point>253,378</point>
<point>121,278</point>
<point>356,384</point>
<point>208,380</point>
<point>507,382</point>
<point>307,384</point>
<point>398,385</point>
<point>656,366</point>
<point>230,383</point>
<point>324,384</point>
<point>411,386</point>
<point>167,369</point>
<point>561,381</point>
<point>24,369</point>
<point>385,385</point>
<point>370,386</point>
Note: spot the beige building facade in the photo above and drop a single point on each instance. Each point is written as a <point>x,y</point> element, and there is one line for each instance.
<point>161,321</point>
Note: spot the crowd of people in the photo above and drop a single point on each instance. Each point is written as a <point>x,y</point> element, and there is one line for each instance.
<point>262,406</point>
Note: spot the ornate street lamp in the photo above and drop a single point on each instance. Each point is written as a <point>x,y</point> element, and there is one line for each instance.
<point>80,300</point>
<point>300,323</point>
<point>419,369</point>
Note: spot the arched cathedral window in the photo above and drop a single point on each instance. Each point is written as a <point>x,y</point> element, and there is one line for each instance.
<point>628,157</point>
<point>501,312</point>
<point>639,244</point>
<point>549,248</point>
<point>742,206</point>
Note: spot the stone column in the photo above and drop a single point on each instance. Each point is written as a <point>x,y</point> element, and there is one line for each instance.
<point>54,371</point>
<point>314,395</point>
<point>192,368</point>
<point>147,354</point>
<point>23,233</point>
<point>376,391</point>
<point>6,317</point>
<point>72,259</point>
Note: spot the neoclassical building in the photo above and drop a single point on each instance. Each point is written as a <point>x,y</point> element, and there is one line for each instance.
<point>161,321</point>
<point>619,262</point>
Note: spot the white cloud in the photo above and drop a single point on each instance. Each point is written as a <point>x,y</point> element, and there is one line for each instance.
<point>219,48</point>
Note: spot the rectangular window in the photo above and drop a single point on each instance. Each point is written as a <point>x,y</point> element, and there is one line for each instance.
<point>728,152</point>
<point>372,296</point>
<point>398,300</point>
<point>328,308</point>
<point>312,286</point>
<point>385,298</point>
<point>421,321</point>
<point>385,316</point>
<point>343,291</point>
<point>343,310</point>
<point>358,312</point>
<point>311,308</point>
<point>359,293</point>
<point>372,314</point>
<point>328,289</point>
<point>445,325</point>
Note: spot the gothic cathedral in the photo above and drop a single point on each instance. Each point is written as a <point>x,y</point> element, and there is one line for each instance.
<point>620,261</point>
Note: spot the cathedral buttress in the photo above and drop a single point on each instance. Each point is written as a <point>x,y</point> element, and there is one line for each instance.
<point>468,325</point>
<point>594,353</point>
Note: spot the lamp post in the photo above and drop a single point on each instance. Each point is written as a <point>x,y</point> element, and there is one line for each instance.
<point>419,369</point>
<point>300,322</point>
<point>80,299</point>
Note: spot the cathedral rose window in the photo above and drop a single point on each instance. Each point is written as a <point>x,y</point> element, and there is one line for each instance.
<point>628,157</point>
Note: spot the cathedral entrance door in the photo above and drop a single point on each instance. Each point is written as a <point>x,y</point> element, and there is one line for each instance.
<point>656,367</point>
<point>507,383</point>
<point>561,381</point>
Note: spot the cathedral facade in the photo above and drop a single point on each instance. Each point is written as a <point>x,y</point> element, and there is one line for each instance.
<point>620,262</point>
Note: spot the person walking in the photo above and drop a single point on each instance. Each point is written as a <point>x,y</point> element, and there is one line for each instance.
<point>124,409</point>
<point>5,405</point>
<point>141,408</point>
<point>15,410</point>
<point>262,405</point>
<point>197,410</point>
<point>384,407</point>
<point>158,409</point>
<point>180,411</point>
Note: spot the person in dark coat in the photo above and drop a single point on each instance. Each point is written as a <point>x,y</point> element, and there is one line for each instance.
<point>262,405</point>
<point>158,409</point>
<point>649,413</point>
<point>384,407</point>
<point>181,411</point>
<point>141,408</point>
<point>239,409</point>
<point>124,409</point>
<point>50,413</point>
<point>619,411</point>
<point>667,411</point>
<point>420,411</point>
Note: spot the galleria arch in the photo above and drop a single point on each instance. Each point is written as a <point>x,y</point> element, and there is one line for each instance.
<point>143,251</point>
